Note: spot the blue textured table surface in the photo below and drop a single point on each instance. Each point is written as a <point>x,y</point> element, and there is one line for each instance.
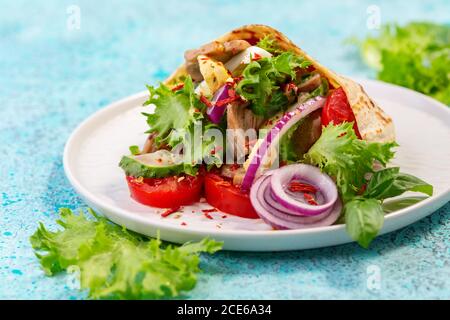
<point>52,77</point>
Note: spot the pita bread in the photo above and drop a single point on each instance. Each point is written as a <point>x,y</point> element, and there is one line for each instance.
<point>373,123</point>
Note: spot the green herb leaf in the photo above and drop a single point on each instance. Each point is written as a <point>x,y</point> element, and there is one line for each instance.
<point>115,263</point>
<point>269,44</point>
<point>398,204</point>
<point>262,80</point>
<point>340,154</point>
<point>364,219</point>
<point>416,56</point>
<point>173,111</point>
<point>391,182</point>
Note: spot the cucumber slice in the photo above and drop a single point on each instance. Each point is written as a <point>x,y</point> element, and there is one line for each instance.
<point>159,164</point>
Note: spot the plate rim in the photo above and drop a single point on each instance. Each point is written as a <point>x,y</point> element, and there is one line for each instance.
<point>93,200</point>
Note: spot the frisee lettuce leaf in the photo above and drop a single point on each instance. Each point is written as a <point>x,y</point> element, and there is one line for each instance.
<point>340,154</point>
<point>416,56</point>
<point>269,43</point>
<point>262,80</point>
<point>173,110</point>
<point>115,263</point>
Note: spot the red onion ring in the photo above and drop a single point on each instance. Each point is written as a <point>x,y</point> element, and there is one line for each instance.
<point>281,220</point>
<point>283,176</point>
<point>276,208</point>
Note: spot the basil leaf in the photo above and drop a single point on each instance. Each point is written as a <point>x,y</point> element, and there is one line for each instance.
<point>391,182</point>
<point>364,219</point>
<point>398,204</point>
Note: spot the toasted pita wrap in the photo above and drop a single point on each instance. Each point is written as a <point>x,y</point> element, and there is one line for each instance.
<point>373,123</point>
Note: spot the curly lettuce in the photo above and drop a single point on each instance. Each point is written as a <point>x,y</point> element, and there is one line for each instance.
<point>416,56</point>
<point>269,43</point>
<point>174,110</point>
<point>262,80</point>
<point>340,154</point>
<point>114,263</point>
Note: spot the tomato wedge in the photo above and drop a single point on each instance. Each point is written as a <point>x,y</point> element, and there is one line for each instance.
<point>167,192</point>
<point>337,110</point>
<point>223,195</point>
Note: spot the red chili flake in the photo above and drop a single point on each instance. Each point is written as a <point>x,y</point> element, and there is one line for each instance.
<point>283,163</point>
<point>363,189</point>
<point>184,224</point>
<point>205,101</point>
<point>310,199</point>
<point>168,212</point>
<point>256,57</point>
<point>204,59</point>
<point>207,215</point>
<point>224,216</point>
<point>291,87</point>
<point>209,210</point>
<point>234,167</point>
<point>302,187</point>
<point>213,151</point>
<point>178,87</point>
<point>310,68</point>
<point>231,93</point>
<point>227,101</point>
<point>238,79</point>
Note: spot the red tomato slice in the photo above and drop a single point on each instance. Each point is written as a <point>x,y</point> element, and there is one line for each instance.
<point>223,195</point>
<point>167,192</point>
<point>337,110</point>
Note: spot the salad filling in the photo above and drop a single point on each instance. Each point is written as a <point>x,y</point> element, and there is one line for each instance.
<point>261,130</point>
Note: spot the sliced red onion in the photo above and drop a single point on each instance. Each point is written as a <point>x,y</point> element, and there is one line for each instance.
<point>290,215</point>
<point>290,118</point>
<point>215,113</point>
<point>283,176</point>
<point>282,220</point>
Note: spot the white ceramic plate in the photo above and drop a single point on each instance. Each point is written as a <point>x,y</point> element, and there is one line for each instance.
<point>94,149</point>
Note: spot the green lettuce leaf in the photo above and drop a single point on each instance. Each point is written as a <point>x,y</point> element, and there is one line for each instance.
<point>340,154</point>
<point>173,110</point>
<point>415,56</point>
<point>270,44</point>
<point>262,80</point>
<point>115,263</point>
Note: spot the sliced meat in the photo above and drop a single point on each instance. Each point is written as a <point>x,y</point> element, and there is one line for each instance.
<point>310,84</point>
<point>215,50</point>
<point>307,133</point>
<point>240,119</point>
<point>149,145</point>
